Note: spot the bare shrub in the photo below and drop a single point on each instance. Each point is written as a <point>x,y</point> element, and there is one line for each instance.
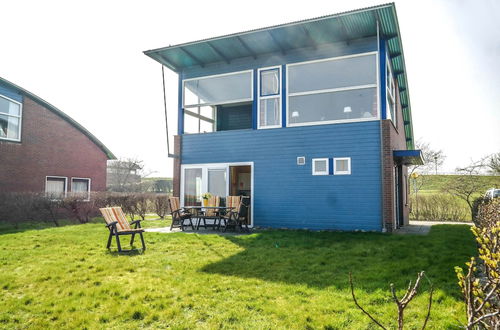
<point>437,207</point>
<point>141,204</point>
<point>160,205</point>
<point>83,208</point>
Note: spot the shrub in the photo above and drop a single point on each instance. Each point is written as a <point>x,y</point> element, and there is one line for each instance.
<point>21,207</point>
<point>475,206</point>
<point>160,205</point>
<point>480,285</point>
<point>438,207</point>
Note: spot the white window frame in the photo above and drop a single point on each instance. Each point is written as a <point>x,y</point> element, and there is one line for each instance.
<point>329,90</point>
<point>314,172</point>
<point>390,90</point>
<point>20,117</point>
<point>338,172</point>
<point>301,160</point>
<point>89,186</point>
<point>57,177</point>
<point>184,106</point>
<point>204,180</point>
<point>278,96</point>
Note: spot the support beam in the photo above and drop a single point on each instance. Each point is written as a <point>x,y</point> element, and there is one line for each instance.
<point>310,40</point>
<point>344,30</point>
<point>395,55</point>
<point>390,36</point>
<point>282,49</point>
<point>194,114</point>
<point>218,52</point>
<point>248,49</point>
<point>194,58</point>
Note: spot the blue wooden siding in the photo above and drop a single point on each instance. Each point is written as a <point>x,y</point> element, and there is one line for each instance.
<point>288,195</point>
<point>11,93</point>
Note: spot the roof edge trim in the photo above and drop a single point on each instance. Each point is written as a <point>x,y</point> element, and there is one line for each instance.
<point>63,115</point>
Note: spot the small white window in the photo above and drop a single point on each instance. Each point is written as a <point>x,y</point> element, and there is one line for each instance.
<point>301,160</point>
<point>342,166</point>
<point>80,187</point>
<point>56,187</point>
<point>269,103</point>
<point>320,166</point>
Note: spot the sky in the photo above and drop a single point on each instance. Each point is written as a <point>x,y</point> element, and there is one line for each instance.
<point>86,58</point>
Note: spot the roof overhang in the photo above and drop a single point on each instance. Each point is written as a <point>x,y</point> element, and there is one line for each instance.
<point>61,114</point>
<point>408,157</point>
<point>311,33</point>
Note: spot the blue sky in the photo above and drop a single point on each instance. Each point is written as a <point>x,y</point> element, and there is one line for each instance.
<point>86,58</point>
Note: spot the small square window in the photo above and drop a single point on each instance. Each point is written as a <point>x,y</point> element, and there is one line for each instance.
<point>301,160</point>
<point>80,187</point>
<point>55,187</point>
<point>342,166</point>
<point>320,166</point>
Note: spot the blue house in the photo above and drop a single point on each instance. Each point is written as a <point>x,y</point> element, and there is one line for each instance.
<point>311,119</point>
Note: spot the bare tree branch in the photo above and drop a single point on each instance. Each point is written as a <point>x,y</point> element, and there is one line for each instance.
<point>359,306</point>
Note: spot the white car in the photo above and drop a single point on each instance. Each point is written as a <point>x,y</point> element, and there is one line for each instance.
<point>492,193</point>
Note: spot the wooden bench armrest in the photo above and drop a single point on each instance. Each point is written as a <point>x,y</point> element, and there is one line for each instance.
<point>137,223</point>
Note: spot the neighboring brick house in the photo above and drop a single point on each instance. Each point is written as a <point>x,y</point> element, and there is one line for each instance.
<point>43,150</point>
<point>311,119</point>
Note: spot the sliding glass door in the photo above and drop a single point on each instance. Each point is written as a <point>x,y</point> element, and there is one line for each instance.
<point>202,179</point>
<point>192,186</point>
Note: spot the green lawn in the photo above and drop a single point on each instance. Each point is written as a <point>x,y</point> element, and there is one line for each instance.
<point>65,278</point>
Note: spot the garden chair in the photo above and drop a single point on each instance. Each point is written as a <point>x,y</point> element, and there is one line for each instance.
<point>179,214</point>
<point>210,214</point>
<point>232,203</point>
<point>118,225</point>
<point>238,217</point>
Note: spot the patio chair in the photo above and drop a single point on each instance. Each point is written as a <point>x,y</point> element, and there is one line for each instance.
<point>210,214</point>
<point>230,202</point>
<point>238,217</point>
<point>179,214</point>
<point>118,225</point>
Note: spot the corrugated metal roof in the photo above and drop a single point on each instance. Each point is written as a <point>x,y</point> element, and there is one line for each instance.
<point>300,34</point>
<point>61,114</point>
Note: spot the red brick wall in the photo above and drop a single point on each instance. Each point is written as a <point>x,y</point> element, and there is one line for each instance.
<point>49,146</point>
<point>393,138</point>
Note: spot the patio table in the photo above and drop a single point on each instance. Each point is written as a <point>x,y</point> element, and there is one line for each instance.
<point>199,213</point>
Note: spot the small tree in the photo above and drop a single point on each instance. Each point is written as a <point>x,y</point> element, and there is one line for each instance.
<point>433,158</point>
<point>466,185</point>
<point>493,163</point>
<point>401,303</point>
<point>126,174</point>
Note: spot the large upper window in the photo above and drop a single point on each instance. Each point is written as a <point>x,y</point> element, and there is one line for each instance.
<point>10,119</point>
<point>338,89</point>
<point>219,102</point>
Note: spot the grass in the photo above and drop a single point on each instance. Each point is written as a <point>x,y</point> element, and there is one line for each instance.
<point>65,278</point>
<point>437,183</point>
